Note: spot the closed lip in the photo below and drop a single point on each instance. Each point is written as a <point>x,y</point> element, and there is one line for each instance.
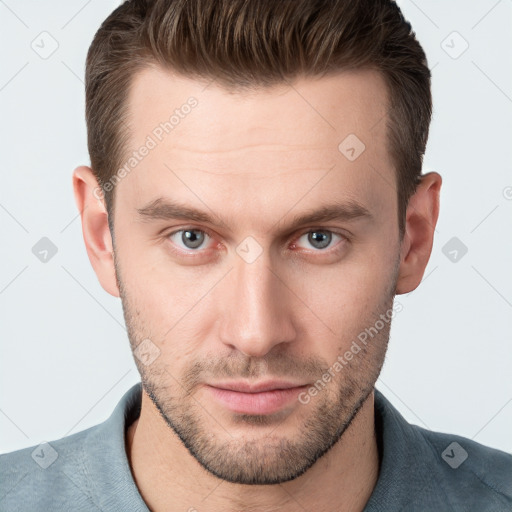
<point>256,387</point>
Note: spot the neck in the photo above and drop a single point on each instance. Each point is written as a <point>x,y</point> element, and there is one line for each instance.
<point>169,478</point>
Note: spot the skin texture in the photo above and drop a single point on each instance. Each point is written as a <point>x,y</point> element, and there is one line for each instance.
<point>256,161</point>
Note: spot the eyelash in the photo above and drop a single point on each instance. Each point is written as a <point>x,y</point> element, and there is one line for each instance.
<point>200,252</point>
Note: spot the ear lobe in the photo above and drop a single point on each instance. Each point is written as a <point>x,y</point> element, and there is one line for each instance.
<point>95,229</point>
<point>421,220</point>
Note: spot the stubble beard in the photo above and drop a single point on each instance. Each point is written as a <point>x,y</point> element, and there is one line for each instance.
<point>259,459</point>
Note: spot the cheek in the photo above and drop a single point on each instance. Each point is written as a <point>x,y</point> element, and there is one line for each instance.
<point>173,306</point>
<point>347,296</point>
<point>161,286</point>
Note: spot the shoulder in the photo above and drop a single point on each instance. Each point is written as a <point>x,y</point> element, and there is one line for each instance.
<point>48,476</point>
<point>466,472</point>
<point>428,470</point>
<point>487,469</point>
<point>86,471</point>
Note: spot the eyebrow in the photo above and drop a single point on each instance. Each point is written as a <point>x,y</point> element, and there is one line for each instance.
<point>166,209</point>
<point>347,211</point>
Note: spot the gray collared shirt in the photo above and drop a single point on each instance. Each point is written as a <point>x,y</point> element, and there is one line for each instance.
<point>420,470</point>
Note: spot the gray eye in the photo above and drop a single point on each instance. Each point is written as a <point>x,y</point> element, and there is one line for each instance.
<point>320,239</point>
<point>192,238</point>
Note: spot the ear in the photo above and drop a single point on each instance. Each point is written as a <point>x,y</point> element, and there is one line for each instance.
<point>420,223</point>
<point>98,240</point>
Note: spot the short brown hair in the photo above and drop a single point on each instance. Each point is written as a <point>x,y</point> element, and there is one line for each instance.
<point>258,43</point>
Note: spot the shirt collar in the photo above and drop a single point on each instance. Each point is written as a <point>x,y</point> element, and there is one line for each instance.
<point>403,454</point>
<point>112,485</point>
<point>405,459</point>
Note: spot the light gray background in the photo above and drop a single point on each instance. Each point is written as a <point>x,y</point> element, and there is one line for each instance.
<point>65,357</point>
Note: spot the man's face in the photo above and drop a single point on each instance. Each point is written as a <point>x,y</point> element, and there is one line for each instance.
<point>252,295</point>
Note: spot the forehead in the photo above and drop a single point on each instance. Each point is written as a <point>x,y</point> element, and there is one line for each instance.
<point>258,141</point>
<point>328,108</point>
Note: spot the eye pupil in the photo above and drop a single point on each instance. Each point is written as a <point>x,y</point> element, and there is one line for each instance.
<point>192,238</point>
<point>319,239</point>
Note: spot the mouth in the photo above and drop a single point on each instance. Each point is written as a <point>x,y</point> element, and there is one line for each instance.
<point>256,398</point>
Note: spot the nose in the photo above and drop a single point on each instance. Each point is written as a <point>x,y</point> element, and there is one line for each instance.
<point>257,314</point>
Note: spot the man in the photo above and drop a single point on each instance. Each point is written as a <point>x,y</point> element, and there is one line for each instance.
<point>255,199</point>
